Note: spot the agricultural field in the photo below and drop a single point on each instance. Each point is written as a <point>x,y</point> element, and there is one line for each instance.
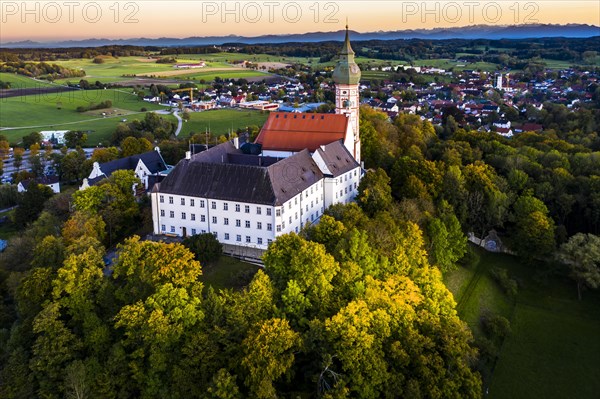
<point>209,74</point>
<point>448,63</point>
<point>222,121</point>
<point>57,111</point>
<point>123,68</point>
<point>545,312</point>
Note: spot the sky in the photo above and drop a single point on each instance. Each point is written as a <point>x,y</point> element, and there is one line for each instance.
<point>74,20</point>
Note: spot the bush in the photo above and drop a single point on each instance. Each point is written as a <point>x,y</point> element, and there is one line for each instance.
<point>487,349</point>
<point>508,285</point>
<point>205,247</point>
<point>496,327</point>
<point>144,109</point>
<point>470,259</point>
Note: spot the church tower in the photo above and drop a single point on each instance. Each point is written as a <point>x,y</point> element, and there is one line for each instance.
<point>346,76</point>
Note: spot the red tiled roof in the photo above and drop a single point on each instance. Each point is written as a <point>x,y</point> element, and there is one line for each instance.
<point>286,131</point>
<point>532,127</point>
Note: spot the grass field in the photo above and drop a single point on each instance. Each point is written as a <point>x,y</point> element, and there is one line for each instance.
<point>41,112</point>
<point>208,75</point>
<point>227,272</point>
<point>553,349</point>
<point>221,121</point>
<point>22,82</point>
<point>114,69</point>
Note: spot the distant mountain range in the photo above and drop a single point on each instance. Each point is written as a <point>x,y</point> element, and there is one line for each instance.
<point>469,32</point>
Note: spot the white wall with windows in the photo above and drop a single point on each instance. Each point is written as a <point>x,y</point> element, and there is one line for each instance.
<point>236,223</point>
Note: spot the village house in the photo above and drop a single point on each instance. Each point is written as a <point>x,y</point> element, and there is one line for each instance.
<point>49,181</point>
<point>149,167</point>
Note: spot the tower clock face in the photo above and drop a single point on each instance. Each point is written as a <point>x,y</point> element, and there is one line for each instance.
<point>354,68</point>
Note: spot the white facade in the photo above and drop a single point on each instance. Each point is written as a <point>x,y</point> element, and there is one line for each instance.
<point>347,103</point>
<point>338,189</point>
<point>58,135</point>
<point>236,223</point>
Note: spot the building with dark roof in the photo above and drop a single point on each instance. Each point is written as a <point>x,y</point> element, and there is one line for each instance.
<point>149,167</point>
<point>51,181</point>
<point>243,199</point>
<point>300,164</point>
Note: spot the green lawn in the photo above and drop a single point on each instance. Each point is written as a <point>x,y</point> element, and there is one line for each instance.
<point>228,272</point>
<point>22,82</point>
<point>116,67</point>
<point>40,112</point>
<point>227,74</point>
<point>553,349</point>
<point>550,354</point>
<point>221,121</point>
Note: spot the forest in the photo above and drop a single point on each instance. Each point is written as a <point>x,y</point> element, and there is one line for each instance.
<point>354,306</point>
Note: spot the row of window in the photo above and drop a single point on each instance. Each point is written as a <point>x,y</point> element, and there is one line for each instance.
<point>238,237</point>
<point>213,205</point>
<point>214,220</point>
<point>346,190</point>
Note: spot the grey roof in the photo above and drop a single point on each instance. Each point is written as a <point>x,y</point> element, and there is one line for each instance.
<point>44,180</point>
<point>216,154</point>
<point>152,159</point>
<point>293,175</point>
<point>210,174</point>
<point>337,158</point>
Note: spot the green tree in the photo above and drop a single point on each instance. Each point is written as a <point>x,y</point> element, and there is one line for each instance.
<point>31,139</point>
<point>582,255</point>
<point>132,146</point>
<point>142,266</point>
<point>223,386</point>
<point>71,166</point>
<point>447,242</point>
<point>534,229</point>
<point>31,203</point>
<point>374,192</point>
<point>269,354</point>
<point>153,331</point>
<point>308,265</point>
<point>205,247</point>
<point>74,139</point>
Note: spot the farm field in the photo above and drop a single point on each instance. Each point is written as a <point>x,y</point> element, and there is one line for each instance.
<point>553,348</point>
<point>221,121</point>
<point>25,114</point>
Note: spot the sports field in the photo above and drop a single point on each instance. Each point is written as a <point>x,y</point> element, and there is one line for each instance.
<point>57,111</point>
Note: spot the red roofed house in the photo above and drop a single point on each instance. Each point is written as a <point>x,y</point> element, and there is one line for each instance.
<point>285,134</point>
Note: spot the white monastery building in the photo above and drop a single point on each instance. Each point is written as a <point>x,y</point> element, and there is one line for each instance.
<point>306,163</point>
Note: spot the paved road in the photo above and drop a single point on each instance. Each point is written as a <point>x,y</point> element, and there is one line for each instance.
<point>179,122</point>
